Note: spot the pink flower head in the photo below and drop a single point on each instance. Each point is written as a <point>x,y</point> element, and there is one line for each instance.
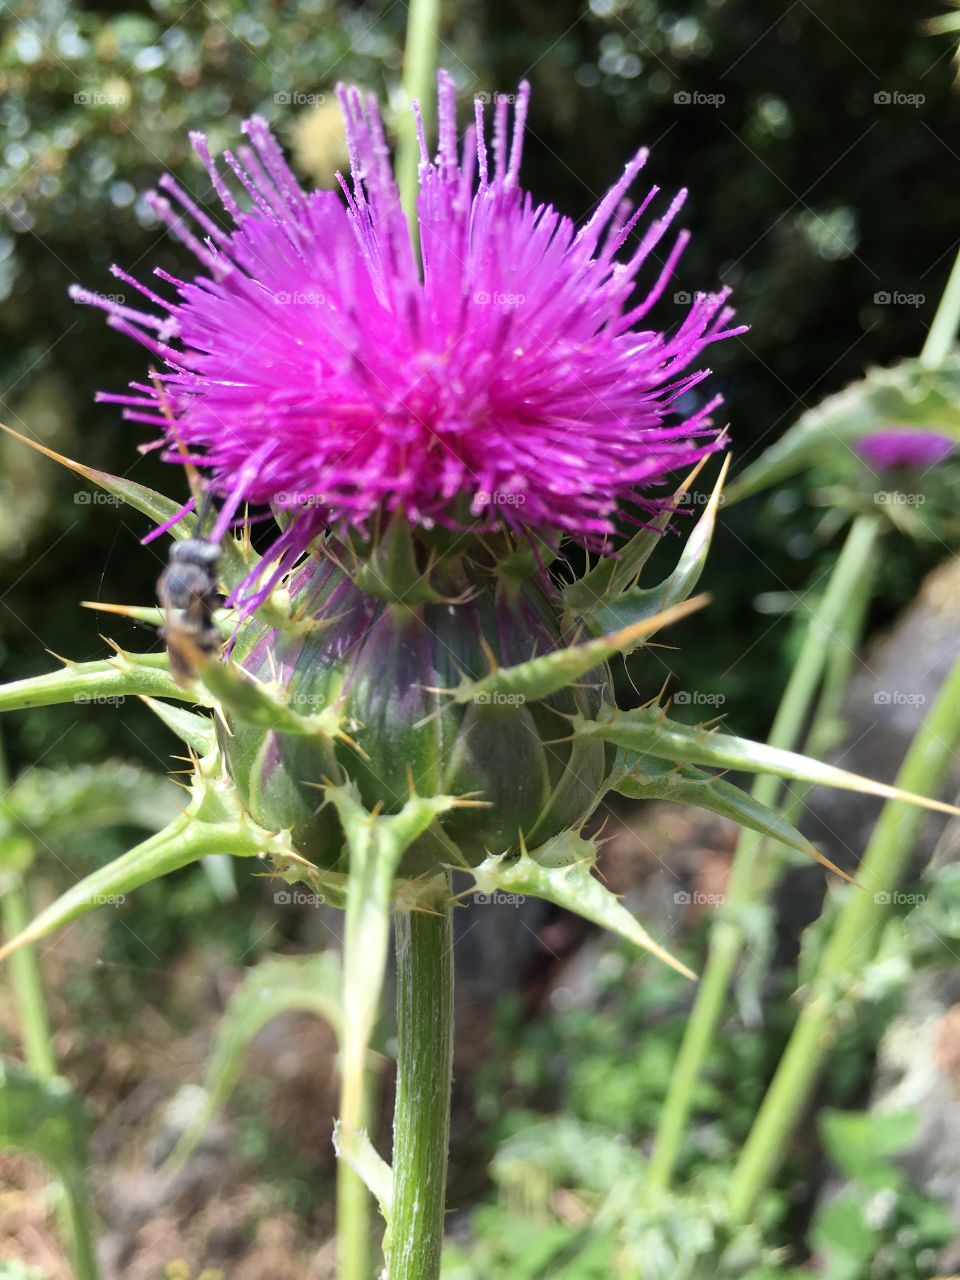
<point>901,447</point>
<point>312,367</point>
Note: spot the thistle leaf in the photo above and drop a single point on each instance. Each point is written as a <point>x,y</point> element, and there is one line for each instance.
<point>540,677</point>
<point>617,573</point>
<point>647,731</point>
<point>155,505</point>
<point>637,604</point>
<point>274,986</point>
<point>907,395</point>
<point>646,778</point>
<point>390,571</point>
<point>213,822</point>
<point>123,675</point>
<point>560,871</point>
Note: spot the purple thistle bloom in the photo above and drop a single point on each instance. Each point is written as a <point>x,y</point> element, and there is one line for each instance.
<point>901,447</point>
<point>312,368</point>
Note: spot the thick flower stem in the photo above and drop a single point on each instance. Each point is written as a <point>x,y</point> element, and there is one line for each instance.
<point>851,945</point>
<point>726,940</point>
<point>421,1127</point>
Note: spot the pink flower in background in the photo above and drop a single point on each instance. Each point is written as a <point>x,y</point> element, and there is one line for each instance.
<point>901,447</point>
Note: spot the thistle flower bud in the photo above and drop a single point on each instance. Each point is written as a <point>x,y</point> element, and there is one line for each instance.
<point>388,668</point>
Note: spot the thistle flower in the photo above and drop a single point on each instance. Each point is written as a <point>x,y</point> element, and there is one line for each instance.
<point>506,389</point>
<point>313,369</point>
<point>901,447</point>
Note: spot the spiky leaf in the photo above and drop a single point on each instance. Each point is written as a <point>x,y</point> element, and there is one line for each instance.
<point>540,677</point>
<point>638,604</point>
<point>560,871</point>
<point>648,732</point>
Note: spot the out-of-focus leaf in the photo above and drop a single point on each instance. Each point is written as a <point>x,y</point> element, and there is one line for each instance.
<point>860,1143</point>
<point>53,803</point>
<point>276,985</point>
<point>45,1118</point>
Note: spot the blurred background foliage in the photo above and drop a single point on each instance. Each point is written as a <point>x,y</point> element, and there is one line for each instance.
<point>819,142</point>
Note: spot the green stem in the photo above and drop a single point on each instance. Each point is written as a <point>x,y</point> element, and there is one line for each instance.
<point>852,944</point>
<point>826,728</point>
<point>942,333</point>
<point>28,988</point>
<point>421,1128</point>
<point>726,939</point>
<point>419,71</point>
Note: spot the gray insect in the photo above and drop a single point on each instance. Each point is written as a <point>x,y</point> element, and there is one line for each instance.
<point>187,591</point>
